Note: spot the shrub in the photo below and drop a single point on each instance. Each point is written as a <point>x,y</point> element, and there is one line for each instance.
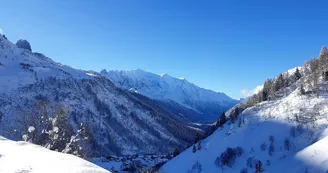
<point>287,144</point>
<point>176,152</point>
<point>271,139</point>
<point>271,146</point>
<point>228,157</point>
<point>258,167</point>
<point>239,151</point>
<point>250,162</point>
<point>218,162</point>
<point>263,146</point>
<point>194,149</point>
<point>199,147</point>
<point>271,149</point>
<point>244,170</point>
<point>197,167</point>
<point>293,132</point>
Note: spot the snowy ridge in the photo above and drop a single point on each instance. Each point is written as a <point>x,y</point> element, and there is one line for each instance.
<point>167,88</point>
<point>121,123</point>
<point>287,134</point>
<point>269,118</point>
<point>26,157</point>
<point>20,67</point>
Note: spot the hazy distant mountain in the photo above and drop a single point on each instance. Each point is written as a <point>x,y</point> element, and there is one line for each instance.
<point>203,105</point>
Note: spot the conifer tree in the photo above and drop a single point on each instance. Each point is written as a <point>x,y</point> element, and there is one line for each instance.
<point>323,63</point>
<point>176,152</point>
<point>258,167</point>
<point>197,138</point>
<point>297,74</point>
<point>222,119</point>
<point>278,83</point>
<point>194,149</point>
<point>266,92</point>
<point>323,50</point>
<point>302,90</point>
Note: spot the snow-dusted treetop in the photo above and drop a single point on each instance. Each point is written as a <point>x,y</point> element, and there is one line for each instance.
<point>31,129</point>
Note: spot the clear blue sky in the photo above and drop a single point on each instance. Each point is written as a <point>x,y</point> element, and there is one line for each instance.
<point>221,45</point>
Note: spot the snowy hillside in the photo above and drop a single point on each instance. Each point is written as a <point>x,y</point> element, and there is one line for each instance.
<point>207,103</point>
<point>258,124</point>
<point>284,128</point>
<point>19,67</point>
<point>26,157</point>
<point>91,116</point>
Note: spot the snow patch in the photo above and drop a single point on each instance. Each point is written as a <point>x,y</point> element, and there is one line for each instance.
<point>26,157</point>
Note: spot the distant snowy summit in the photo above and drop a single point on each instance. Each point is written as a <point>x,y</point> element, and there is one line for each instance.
<point>208,104</point>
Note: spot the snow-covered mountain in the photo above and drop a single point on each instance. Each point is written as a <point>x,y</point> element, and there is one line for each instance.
<point>287,132</point>
<point>206,104</point>
<point>94,117</point>
<point>26,157</point>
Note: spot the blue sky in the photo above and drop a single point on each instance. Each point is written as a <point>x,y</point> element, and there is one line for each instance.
<point>226,46</point>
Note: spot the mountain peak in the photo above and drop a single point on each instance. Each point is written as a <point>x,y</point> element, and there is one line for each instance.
<point>167,88</point>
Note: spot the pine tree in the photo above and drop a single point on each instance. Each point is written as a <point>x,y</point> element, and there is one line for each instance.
<point>266,92</point>
<point>271,146</point>
<point>323,50</point>
<point>194,149</point>
<point>297,74</point>
<point>197,138</point>
<point>314,77</point>
<point>222,119</point>
<point>323,62</point>
<point>199,147</point>
<point>176,152</point>
<point>258,167</point>
<point>302,90</point>
<point>278,83</point>
<point>287,144</point>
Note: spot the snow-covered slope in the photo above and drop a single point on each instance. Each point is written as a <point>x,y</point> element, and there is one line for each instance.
<point>276,119</point>
<point>119,122</point>
<point>286,134</point>
<point>26,157</point>
<point>19,67</point>
<point>164,87</point>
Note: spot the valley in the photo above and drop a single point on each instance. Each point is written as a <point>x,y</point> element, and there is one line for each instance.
<point>163,86</point>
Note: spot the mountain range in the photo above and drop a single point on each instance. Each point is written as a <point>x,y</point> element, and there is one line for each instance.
<point>204,105</point>
<point>86,114</point>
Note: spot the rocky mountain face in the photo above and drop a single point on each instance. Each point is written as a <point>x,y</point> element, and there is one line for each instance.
<point>195,103</point>
<point>79,112</point>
